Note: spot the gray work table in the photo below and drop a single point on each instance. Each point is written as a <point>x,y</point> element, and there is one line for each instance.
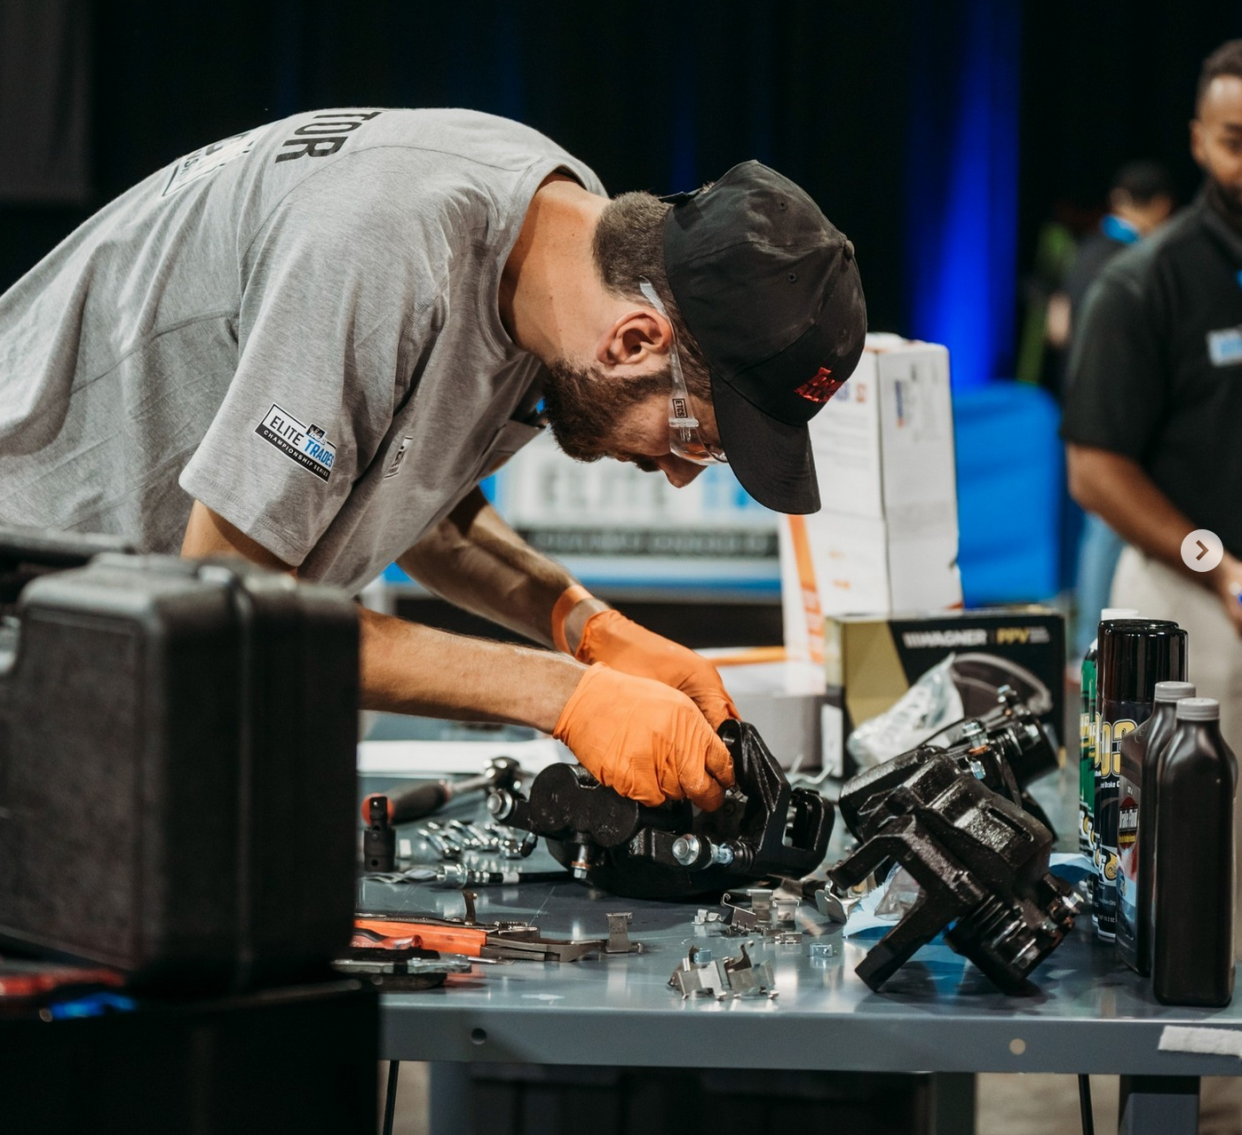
<point>1085,1011</point>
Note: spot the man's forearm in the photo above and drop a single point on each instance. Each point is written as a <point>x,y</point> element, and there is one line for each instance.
<point>1120,492</point>
<point>408,668</point>
<point>477,562</point>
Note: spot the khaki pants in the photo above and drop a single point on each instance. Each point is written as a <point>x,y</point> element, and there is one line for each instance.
<point>1215,658</point>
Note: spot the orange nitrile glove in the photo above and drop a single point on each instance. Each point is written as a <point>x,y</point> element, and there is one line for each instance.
<point>620,643</point>
<point>644,739</point>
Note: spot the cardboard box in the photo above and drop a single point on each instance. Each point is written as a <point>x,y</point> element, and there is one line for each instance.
<point>872,661</point>
<point>886,538</point>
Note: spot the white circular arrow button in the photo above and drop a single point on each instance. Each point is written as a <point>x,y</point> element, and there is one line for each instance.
<point>1202,550</point>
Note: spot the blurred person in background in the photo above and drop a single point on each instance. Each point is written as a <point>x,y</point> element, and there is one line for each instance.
<point>1139,202</point>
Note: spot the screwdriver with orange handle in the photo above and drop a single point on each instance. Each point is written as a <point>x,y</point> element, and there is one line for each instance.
<point>464,940</point>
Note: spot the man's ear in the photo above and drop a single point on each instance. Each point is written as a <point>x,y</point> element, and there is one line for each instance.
<point>635,337</point>
<point>1196,143</point>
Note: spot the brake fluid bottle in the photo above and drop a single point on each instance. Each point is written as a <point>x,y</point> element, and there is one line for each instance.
<point>1192,900</point>
<point>1138,793</point>
<point>1134,655</point>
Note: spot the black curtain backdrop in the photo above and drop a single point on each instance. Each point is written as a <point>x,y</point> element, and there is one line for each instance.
<point>1108,83</point>
<point>656,96</point>
<point>661,95</point>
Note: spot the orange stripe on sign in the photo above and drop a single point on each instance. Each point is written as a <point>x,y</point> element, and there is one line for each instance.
<point>810,591</point>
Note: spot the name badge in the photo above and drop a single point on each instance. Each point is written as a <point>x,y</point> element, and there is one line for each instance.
<point>1225,346</point>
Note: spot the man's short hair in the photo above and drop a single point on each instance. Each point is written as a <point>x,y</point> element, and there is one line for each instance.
<point>1144,181</point>
<point>1225,60</point>
<point>628,247</point>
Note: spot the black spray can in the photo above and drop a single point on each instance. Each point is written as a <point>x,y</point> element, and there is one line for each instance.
<point>1192,902</point>
<point>1135,654</point>
<point>1138,793</point>
<point>1089,728</point>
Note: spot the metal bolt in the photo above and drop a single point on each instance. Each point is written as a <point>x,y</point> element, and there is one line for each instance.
<point>582,862</point>
<point>821,951</point>
<point>462,834</point>
<point>517,845</point>
<point>500,804</point>
<point>686,849</point>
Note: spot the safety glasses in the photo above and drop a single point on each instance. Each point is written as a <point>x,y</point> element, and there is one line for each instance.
<point>684,439</point>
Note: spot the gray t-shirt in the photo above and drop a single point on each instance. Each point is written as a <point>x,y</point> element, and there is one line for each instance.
<point>298,326</point>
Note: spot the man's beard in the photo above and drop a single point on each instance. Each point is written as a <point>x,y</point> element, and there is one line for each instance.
<point>583,405</point>
<point>1225,203</point>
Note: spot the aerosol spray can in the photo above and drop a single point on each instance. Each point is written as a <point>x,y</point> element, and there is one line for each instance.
<point>1088,727</point>
<point>1135,654</point>
<point>1192,901</point>
<point>1138,793</point>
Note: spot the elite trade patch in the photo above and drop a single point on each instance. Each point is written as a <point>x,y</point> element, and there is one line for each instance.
<point>209,159</point>
<point>304,444</point>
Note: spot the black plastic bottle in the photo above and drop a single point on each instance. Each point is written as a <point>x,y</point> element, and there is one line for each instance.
<point>1138,794</point>
<point>1135,654</point>
<point>1192,903</point>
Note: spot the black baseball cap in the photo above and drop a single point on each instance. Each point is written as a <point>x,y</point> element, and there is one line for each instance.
<point>769,289</point>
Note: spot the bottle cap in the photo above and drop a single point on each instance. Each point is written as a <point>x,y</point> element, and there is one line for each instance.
<point>1198,709</point>
<point>1174,691</point>
<point>1135,654</point>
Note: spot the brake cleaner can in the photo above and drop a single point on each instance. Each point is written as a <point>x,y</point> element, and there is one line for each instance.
<point>1134,655</point>
<point>1088,727</point>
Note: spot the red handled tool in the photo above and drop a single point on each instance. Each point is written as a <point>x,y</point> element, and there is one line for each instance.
<point>430,796</point>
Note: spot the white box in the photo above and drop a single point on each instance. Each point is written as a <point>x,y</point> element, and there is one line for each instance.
<point>783,699</point>
<point>886,538</point>
<point>609,522</point>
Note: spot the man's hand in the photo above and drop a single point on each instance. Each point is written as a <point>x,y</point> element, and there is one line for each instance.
<point>621,644</point>
<point>644,739</point>
<point>1227,580</point>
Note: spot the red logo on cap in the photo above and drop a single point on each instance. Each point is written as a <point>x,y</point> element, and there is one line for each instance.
<point>820,388</point>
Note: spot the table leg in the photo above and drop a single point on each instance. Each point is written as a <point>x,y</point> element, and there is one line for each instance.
<point>1159,1105</point>
<point>448,1092</point>
<point>952,1110</point>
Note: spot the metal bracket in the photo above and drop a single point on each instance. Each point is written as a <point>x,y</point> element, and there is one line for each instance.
<point>837,903</point>
<point>619,935</point>
<point>770,914</point>
<point>725,978</point>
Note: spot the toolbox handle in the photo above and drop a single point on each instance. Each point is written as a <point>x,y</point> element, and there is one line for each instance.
<point>27,553</point>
